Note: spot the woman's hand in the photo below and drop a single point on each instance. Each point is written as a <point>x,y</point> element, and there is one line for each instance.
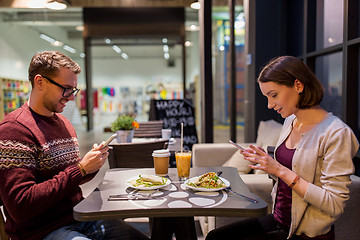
<point>262,160</point>
<point>268,164</point>
<point>95,158</point>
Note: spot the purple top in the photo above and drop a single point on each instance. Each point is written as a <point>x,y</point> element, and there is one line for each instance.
<point>282,209</point>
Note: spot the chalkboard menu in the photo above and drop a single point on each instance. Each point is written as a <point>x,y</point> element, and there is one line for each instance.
<point>173,113</point>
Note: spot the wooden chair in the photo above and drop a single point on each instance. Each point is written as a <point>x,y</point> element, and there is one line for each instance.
<point>151,129</point>
<point>134,155</point>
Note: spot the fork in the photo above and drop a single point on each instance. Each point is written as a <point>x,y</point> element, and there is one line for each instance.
<point>229,189</point>
<point>240,195</point>
<point>150,195</point>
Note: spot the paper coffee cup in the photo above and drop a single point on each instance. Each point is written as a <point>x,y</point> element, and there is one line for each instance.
<point>166,133</point>
<point>161,161</point>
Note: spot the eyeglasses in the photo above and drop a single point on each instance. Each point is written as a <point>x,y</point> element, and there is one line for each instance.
<point>67,91</point>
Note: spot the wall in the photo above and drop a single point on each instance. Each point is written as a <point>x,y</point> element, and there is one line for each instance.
<point>18,43</point>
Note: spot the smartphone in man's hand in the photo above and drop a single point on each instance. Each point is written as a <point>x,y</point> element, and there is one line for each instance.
<point>109,140</point>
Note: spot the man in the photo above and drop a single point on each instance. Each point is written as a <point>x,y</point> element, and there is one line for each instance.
<point>40,168</point>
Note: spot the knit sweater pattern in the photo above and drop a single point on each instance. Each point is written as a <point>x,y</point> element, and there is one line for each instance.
<point>38,173</point>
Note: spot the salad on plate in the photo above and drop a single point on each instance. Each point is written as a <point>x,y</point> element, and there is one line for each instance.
<point>207,182</point>
<point>148,182</point>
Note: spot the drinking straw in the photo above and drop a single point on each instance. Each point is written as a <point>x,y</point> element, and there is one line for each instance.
<point>182,134</point>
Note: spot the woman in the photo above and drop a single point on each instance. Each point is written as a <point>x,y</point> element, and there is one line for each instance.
<point>313,160</point>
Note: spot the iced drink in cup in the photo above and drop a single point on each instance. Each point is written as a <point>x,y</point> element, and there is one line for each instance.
<point>183,162</point>
<point>161,161</point>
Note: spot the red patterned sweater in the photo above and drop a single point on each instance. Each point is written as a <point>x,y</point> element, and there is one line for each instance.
<point>38,173</point>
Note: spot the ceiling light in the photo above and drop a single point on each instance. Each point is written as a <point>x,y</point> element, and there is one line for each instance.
<point>164,40</point>
<point>107,40</point>
<point>166,55</point>
<point>56,5</point>
<point>79,28</point>
<point>47,38</point>
<point>116,49</point>
<point>195,5</point>
<point>57,43</point>
<point>82,55</point>
<point>69,49</point>
<point>51,40</point>
<point>125,56</point>
<point>166,48</point>
<point>188,44</point>
<point>30,4</point>
<point>192,28</point>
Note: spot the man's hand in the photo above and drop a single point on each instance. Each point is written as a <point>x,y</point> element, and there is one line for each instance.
<point>95,158</point>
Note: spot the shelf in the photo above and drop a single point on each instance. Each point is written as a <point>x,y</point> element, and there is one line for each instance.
<point>13,94</point>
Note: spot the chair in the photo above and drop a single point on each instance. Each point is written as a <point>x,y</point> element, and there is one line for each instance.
<point>151,129</point>
<point>134,155</point>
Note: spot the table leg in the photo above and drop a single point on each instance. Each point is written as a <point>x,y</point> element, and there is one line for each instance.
<point>183,227</point>
<point>162,228</point>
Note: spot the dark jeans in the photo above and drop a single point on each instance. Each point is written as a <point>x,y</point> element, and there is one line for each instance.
<point>264,228</point>
<point>250,229</point>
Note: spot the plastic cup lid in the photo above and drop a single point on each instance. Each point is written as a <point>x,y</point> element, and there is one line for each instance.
<point>161,153</point>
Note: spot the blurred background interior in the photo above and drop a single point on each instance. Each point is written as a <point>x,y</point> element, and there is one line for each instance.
<point>210,53</point>
<point>134,51</point>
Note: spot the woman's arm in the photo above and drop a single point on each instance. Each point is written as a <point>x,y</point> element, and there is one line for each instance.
<point>330,191</point>
<point>273,167</point>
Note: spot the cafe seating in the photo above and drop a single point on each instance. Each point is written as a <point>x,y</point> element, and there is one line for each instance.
<point>134,155</point>
<point>150,129</point>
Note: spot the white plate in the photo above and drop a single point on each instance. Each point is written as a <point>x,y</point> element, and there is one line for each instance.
<point>227,184</point>
<point>146,188</point>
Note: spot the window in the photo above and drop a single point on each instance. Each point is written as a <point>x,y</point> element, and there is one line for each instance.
<point>329,71</point>
<point>329,23</point>
<point>222,71</point>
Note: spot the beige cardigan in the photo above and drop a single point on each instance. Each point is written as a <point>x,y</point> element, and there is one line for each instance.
<point>324,159</point>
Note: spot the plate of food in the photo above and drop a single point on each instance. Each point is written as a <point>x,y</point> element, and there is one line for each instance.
<point>208,182</point>
<point>147,182</point>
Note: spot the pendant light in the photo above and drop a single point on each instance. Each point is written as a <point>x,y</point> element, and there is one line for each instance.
<point>57,4</point>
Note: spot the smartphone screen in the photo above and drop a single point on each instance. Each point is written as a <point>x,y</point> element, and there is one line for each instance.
<point>109,140</point>
<point>236,145</point>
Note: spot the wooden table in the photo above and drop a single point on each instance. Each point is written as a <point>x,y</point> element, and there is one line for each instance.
<point>175,205</point>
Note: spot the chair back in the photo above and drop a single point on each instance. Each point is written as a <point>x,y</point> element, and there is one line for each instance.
<point>134,155</point>
<point>271,151</point>
<point>151,129</point>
